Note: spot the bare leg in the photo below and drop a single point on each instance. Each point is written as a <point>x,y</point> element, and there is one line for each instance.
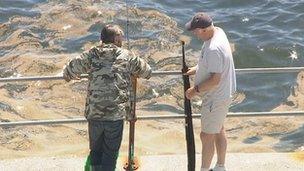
<point>221,147</point>
<point>207,149</point>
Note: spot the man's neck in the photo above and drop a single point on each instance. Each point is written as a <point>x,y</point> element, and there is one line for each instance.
<point>211,34</point>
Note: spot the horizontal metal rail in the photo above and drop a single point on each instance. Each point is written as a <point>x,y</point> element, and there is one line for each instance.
<point>269,70</point>
<point>159,73</point>
<point>47,78</point>
<point>152,117</point>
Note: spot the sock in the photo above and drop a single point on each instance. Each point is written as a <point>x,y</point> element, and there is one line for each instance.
<point>219,165</point>
<point>204,169</point>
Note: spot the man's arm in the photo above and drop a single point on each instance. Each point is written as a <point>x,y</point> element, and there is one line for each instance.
<point>207,85</point>
<point>215,67</point>
<point>76,67</point>
<point>210,83</point>
<point>139,67</point>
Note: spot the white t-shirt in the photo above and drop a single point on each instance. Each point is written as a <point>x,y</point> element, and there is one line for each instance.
<point>216,57</point>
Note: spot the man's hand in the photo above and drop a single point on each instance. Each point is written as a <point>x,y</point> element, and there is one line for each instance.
<point>66,77</point>
<point>191,71</point>
<point>190,93</point>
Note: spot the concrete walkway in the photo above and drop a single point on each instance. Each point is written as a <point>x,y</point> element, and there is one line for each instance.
<point>235,162</point>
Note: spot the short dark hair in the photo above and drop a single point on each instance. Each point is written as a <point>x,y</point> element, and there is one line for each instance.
<point>109,32</point>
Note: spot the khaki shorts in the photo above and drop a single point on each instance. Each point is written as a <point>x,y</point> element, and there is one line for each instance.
<point>213,115</point>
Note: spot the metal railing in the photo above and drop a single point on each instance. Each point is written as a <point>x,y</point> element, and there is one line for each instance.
<point>151,117</point>
<point>48,78</point>
<point>158,73</point>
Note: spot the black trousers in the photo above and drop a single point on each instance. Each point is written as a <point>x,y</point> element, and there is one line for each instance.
<point>105,140</point>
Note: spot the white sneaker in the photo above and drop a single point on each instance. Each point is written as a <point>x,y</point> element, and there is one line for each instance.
<point>219,168</point>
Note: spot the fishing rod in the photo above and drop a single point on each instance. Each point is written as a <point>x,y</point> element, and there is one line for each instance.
<point>131,164</point>
<point>188,113</point>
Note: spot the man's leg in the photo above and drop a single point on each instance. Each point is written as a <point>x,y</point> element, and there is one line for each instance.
<point>111,144</point>
<point>221,147</point>
<point>207,149</point>
<point>220,138</point>
<point>96,133</point>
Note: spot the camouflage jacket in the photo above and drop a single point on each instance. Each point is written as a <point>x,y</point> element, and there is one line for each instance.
<point>109,89</point>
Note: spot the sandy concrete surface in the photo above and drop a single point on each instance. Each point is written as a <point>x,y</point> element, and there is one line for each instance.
<point>235,162</point>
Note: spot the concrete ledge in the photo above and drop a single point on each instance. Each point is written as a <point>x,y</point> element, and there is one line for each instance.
<point>235,162</point>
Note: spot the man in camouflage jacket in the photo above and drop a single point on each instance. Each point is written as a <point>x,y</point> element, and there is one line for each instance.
<point>108,100</point>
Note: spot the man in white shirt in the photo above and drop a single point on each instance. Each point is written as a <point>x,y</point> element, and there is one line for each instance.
<point>215,82</point>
